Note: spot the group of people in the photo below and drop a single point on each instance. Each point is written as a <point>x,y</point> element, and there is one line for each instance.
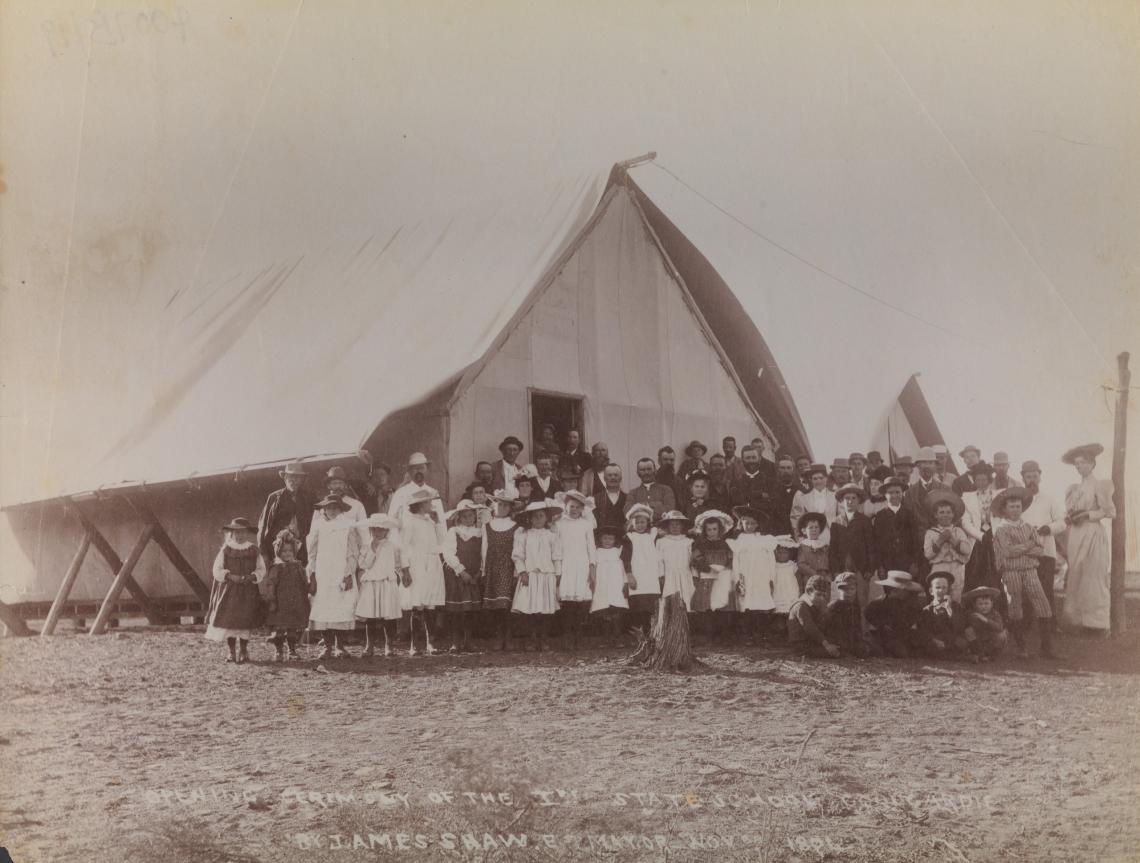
<point>855,558</point>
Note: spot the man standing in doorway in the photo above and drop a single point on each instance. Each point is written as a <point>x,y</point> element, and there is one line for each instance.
<point>575,461</point>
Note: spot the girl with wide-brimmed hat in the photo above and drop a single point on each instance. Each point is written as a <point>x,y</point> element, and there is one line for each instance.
<point>382,567</point>
<point>462,571</point>
<point>610,592</point>
<point>334,551</point>
<point>499,579</point>
<point>579,562</point>
<point>755,565</point>
<point>235,603</point>
<point>422,535</point>
<point>712,560</point>
<point>538,562</point>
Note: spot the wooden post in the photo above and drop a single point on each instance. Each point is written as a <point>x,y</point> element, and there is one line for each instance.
<point>1117,615</point>
<point>65,588</point>
<point>181,564</point>
<point>108,554</point>
<point>13,621</point>
<point>120,582</point>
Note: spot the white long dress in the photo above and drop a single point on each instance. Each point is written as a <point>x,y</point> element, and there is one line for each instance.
<point>675,553</point>
<point>608,588</point>
<point>379,597</point>
<point>645,566</point>
<point>578,553</point>
<point>787,589</point>
<point>422,539</point>
<point>334,550</point>
<point>754,559</point>
<point>538,553</point>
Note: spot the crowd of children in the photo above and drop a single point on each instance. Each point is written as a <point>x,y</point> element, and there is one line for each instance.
<point>888,561</point>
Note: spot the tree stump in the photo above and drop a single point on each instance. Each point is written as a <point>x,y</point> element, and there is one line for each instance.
<point>666,646</point>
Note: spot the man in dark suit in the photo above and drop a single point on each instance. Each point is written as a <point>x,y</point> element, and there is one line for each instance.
<point>657,496</point>
<point>505,470</point>
<point>784,491</point>
<point>593,481</point>
<point>719,484</point>
<point>892,530</point>
<point>852,547</point>
<point>755,489</point>
<point>575,461</point>
<point>920,516</point>
<point>610,505</point>
<point>290,508</point>
<point>544,485</point>
<point>971,455</point>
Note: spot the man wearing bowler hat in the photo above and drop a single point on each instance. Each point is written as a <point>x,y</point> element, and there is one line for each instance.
<point>417,481</point>
<point>289,508</point>
<point>505,471</point>
<point>1002,479</point>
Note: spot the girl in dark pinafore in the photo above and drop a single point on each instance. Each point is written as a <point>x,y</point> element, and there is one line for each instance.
<point>235,603</point>
<point>463,572</point>
<point>286,589</point>
<point>499,579</point>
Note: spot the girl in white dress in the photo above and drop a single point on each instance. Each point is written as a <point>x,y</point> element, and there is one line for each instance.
<point>642,566</point>
<point>755,564</point>
<point>421,535</point>
<point>675,550</point>
<point>538,561</point>
<point>609,584</point>
<point>579,562</point>
<point>334,551</point>
<point>382,566</point>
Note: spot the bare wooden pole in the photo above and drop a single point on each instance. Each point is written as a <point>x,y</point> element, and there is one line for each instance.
<point>1117,616</point>
<point>65,588</point>
<point>121,579</point>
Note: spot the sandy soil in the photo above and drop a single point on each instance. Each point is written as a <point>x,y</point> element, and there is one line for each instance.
<point>146,746</point>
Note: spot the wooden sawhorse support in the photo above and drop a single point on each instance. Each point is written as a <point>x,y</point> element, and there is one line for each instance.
<point>124,579</point>
<point>13,621</point>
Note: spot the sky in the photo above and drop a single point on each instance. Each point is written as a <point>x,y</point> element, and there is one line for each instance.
<point>948,188</point>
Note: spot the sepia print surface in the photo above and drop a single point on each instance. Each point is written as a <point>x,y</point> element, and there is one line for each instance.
<point>569,431</point>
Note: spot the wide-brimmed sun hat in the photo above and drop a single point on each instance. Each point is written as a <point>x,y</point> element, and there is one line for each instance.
<point>673,515</point>
<point>713,515</point>
<point>851,488</point>
<point>331,500</point>
<point>239,523</point>
<point>939,496</point>
<point>900,579</point>
<point>381,520</point>
<point>1015,492</point>
<point>979,592</point>
<point>1088,450</point>
<point>696,444</point>
<point>808,517</point>
<point>294,468</point>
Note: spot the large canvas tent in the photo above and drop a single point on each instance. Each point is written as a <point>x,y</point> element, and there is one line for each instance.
<point>611,320</point>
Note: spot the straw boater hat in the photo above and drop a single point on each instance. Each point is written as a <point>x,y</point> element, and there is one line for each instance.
<point>979,592</point>
<point>639,509</point>
<point>938,573</point>
<point>997,506</point>
<point>925,453</point>
<point>695,445</point>
<point>381,520</point>
<point>294,468</point>
<point>840,462</point>
<point>901,579</point>
<point>904,461</point>
<point>331,500</point>
<point>713,515</point>
<point>844,578</point>
<point>548,504</point>
<point>893,481</point>
<point>1088,450</point>
<point>511,439</point>
<point>812,516</point>
<point>417,459</point>
<point>465,505</point>
<point>574,494</point>
<point>851,488</point>
<point>673,515</point>
<point>239,524</point>
<point>940,496</point>
<point>422,495</point>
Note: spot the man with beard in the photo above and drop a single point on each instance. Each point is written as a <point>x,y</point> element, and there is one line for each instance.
<point>1002,479</point>
<point>1048,518</point>
<point>417,481</point>
<point>593,482</point>
<point>904,468</point>
<point>733,464</point>
<point>505,470</point>
<point>719,486</point>
<point>336,481</point>
<point>755,491</point>
<point>289,508</point>
<point>610,503</point>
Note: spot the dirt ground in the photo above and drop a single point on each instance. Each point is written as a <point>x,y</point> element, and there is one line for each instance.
<point>146,746</point>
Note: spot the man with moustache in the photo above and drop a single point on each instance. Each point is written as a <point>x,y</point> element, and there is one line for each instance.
<point>505,471</point>
<point>289,508</point>
<point>754,490</point>
<point>575,461</point>
<point>593,481</point>
<point>611,503</point>
<point>655,495</point>
<point>1002,479</point>
<point>971,456</point>
<point>921,518</point>
<point>784,492</point>
<point>417,481</point>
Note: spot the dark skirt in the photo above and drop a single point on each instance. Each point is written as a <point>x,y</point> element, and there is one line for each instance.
<point>643,603</point>
<point>459,596</point>
<point>292,597</point>
<point>980,569</point>
<point>702,596</point>
<point>234,606</point>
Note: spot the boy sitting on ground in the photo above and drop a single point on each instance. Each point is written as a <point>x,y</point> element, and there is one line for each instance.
<point>805,620</point>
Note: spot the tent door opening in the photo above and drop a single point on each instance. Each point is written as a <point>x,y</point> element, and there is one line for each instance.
<point>561,411</point>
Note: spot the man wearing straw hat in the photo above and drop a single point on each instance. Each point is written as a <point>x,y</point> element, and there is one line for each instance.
<point>417,481</point>
<point>289,508</point>
<point>915,502</point>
